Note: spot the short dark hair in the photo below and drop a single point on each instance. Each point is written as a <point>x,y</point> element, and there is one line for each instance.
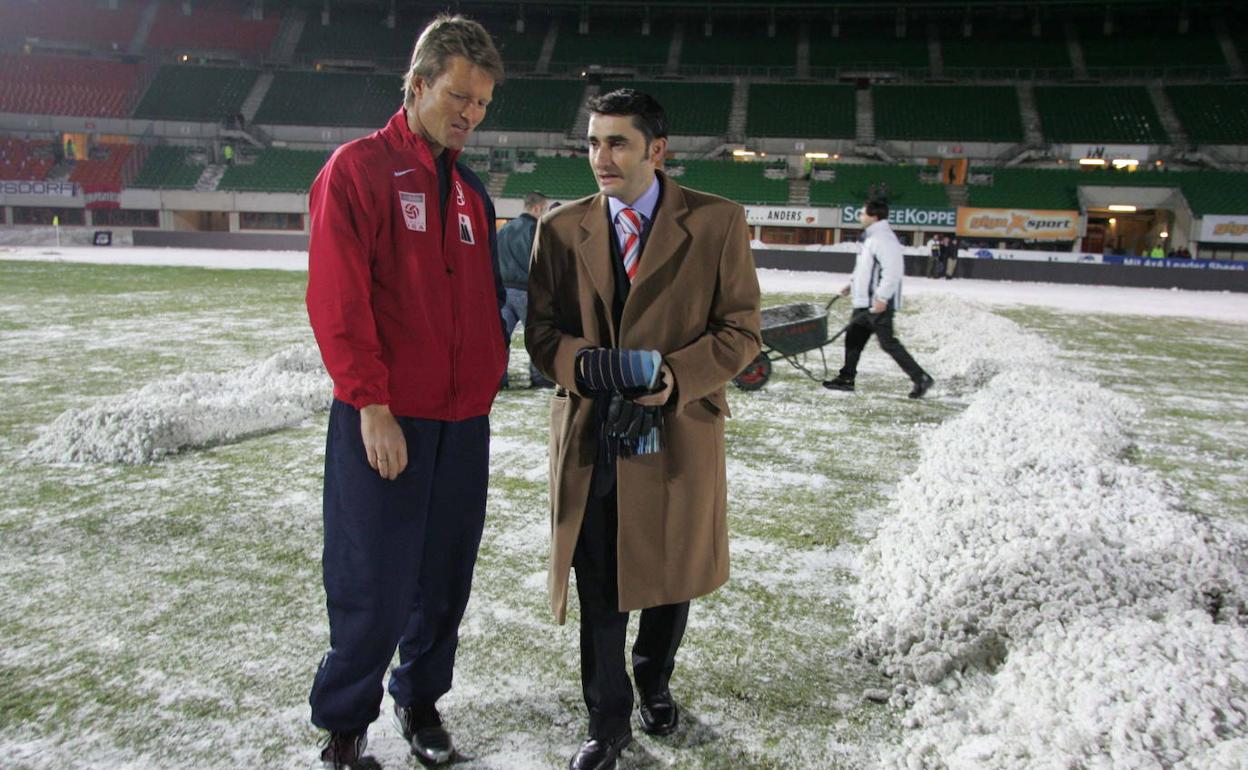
<point>648,115</point>
<point>877,208</point>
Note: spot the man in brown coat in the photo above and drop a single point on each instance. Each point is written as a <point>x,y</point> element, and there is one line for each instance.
<point>644,265</point>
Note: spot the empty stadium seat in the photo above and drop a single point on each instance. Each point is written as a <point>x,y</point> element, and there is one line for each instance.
<point>1003,49</point>
<point>169,168</point>
<point>739,44</point>
<point>1150,49</point>
<point>1098,114</point>
<point>1212,114</point>
<point>743,182</point>
<point>275,170</point>
<point>66,85</point>
<point>1207,192</point>
<point>330,99</point>
<point>107,171</point>
<point>852,182</point>
<point>861,47</point>
<point>955,113</point>
<point>25,160</point>
<point>534,105</point>
<point>560,178</point>
<point>358,34</point>
<point>188,92</point>
<point>611,43</point>
<point>71,21</point>
<point>801,111</point>
<point>701,109</point>
<point>220,25</point>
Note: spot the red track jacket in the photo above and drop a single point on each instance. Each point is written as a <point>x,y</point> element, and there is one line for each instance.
<point>405,306</point>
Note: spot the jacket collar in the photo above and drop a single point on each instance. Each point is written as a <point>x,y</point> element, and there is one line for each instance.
<point>667,240</point>
<point>398,134</point>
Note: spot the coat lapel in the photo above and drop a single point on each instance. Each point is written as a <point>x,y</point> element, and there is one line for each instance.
<point>594,251</point>
<point>668,240</point>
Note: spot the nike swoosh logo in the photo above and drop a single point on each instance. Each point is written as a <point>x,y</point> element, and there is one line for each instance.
<point>404,171</point>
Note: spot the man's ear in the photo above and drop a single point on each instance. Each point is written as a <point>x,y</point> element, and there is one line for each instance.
<point>658,150</point>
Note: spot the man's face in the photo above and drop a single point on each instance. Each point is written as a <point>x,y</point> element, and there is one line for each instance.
<point>622,162</point>
<point>865,219</point>
<point>447,109</point>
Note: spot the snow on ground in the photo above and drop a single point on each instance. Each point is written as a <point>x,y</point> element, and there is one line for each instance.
<point>193,409</point>
<point>1025,541</point>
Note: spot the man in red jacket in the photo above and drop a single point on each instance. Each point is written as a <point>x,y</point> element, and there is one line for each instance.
<point>404,298</point>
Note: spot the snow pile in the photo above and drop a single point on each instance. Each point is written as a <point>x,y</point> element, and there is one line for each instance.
<point>1025,544</point>
<point>971,345</point>
<point>190,410</point>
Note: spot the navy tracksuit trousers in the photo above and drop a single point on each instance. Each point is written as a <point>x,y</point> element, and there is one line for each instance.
<point>397,564</point>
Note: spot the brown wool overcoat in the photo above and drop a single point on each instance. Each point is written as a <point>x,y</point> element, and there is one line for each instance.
<point>695,299</point>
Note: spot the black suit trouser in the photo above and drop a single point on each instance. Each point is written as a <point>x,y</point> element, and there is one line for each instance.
<point>881,325</point>
<point>604,678</point>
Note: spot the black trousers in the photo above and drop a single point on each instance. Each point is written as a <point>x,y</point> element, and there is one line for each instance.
<point>881,325</point>
<point>604,678</point>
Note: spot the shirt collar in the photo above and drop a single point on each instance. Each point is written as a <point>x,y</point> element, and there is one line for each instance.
<point>644,205</point>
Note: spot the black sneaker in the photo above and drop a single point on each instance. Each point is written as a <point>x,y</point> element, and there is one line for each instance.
<point>345,751</point>
<point>840,383</point>
<point>422,729</point>
<point>921,385</point>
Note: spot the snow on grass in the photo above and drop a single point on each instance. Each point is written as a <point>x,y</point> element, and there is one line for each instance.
<point>1024,540</point>
<point>191,410</point>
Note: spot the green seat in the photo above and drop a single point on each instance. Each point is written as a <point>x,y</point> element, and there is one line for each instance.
<point>743,182</point>
<point>1207,192</point>
<point>1098,115</point>
<point>168,168</point>
<point>1212,114</point>
<point>188,92</point>
<point>275,170</point>
<point>358,34</point>
<point>852,182</point>
<point>560,178</point>
<point>1002,50</point>
<point>868,48</point>
<point>340,99</point>
<point>534,105</point>
<point>801,111</point>
<point>954,113</point>
<point>1149,48</point>
<point>699,109</point>
<point>607,45</point>
<point>738,44</point>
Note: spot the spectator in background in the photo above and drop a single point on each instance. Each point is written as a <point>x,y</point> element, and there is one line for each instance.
<point>1157,252</point>
<point>951,257</point>
<point>515,248</point>
<point>227,152</point>
<point>933,246</point>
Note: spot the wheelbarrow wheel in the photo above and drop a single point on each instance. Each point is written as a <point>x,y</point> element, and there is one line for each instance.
<point>754,376</point>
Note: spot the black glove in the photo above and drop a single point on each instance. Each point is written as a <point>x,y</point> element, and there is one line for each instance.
<point>631,428</point>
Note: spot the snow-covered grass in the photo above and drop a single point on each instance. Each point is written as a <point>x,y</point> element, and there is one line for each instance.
<point>169,614</point>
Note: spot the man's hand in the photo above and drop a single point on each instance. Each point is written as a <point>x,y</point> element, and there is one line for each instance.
<point>384,442</point>
<point>845,290</point>
<point>879,306</point>
<point>660,398</point>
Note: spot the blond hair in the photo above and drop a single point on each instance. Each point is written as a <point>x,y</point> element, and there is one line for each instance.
<point>442,38</point>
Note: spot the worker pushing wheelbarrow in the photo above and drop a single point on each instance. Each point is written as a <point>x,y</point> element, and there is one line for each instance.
<point>789,333</point>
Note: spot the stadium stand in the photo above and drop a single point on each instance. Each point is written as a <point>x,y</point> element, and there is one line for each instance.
<point>66,85</point>
<point>958,113</point>
<point>699,109</point>
<point>611,45</point>
<point>109,170</point>
<point>359,34</point>
<point>1147,48</point>
<point>1004,49</point>
<point>1207,192</point>
<point>212,26</point>
<point>851,182</point>
<point>561,178</point>
<point>1098,114</point>
<point>84,22</point>
<point>187,92</point>
<point>330,99</point>
<point>1212,114</point>
<point>168,168</point>
<point>25,160</point>
<point>520,50</point>
<point>865,47</point>
<point>798,110</point>
<point>743,182</point>
<point>275,170</point>
<point>534,105</point>
<point>738,44</point>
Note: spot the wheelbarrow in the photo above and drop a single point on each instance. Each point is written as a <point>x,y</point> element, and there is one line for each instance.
<point>790,332</point>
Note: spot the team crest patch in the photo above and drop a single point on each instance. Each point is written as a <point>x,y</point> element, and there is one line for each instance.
<point>413,205</point>
<point>465,229</point>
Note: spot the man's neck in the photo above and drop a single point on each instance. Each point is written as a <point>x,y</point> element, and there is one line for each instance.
<point>416,127</point>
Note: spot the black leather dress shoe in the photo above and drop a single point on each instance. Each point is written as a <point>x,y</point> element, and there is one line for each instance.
<point>659,713</point>
<point>596,754</point>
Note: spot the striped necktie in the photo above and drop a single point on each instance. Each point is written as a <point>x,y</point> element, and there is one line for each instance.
<point>628,225</point>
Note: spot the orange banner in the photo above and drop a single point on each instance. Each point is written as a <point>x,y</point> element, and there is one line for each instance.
<point>1027,224</point>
